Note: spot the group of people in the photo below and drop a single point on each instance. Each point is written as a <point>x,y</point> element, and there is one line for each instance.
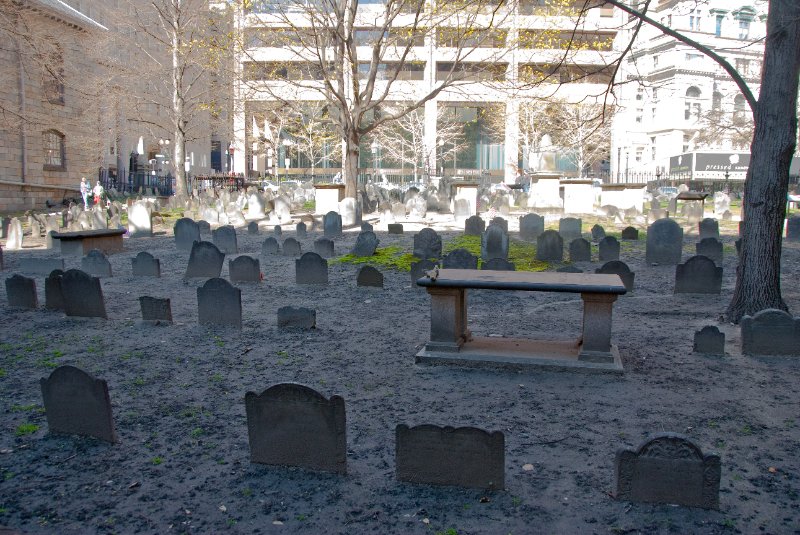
<point>87,190</point>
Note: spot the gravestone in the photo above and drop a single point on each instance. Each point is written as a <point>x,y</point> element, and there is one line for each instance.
<point>550,246</point>
<point>270,247</point>
<point>395,228</point>
<point>83,295</point>
<point>155,310</point>
<point>569,269</point>
<point>205,261</point>
<point>53,297</point>
<point>21,292</point>
<point>297,318</point>
<point>301,230</point>
<point>2,265</point>
<point>77,404</point>
<point>668,468</point>
<point>49,240</point>
<point>664,242</point>
<point>145,265</point>
<point>464,456</point>
<point>366,227</point>
<point>225,239</point>
<point>140,222</point>
<point>580,250</point>
<point>348,210</point>
<point>569,227</point>
<point>501,222</point>
<point>205,226</point>
<point>252,228</point>
<point>459,259</point>
<point>494,243</point>
<point>792,228</point>
<point>461,209</point>
<point>255,205</point>
<point>277,231</point>
<point>244,269</point>
<point>598,233</point>
<point>36,228</point>
<point>291,247</point>
<point>99,218</point>
<point>474,226</point>
<point>4,223</point>
<point>498,264</point>
<point>332,225</point>
<point>711,248</point>
<point>630,233</point>
<point>531,226</point>
<point>427,244</point>
<point>324,247</point>
<point>15,236</point>
<point>699,275</point>
<point>609,249</point>
<point>616,267</point>
<point>366,244</point>
<point>311,268</point>
<point>96,263</point>
<point>186,233</point>
<point>369,276</point>
<point>710,341</point>
<point>770,332</point>
<point>293,425</point>
<point>418,270</point>
<point>40,266</point>
<point>219,303</point>
<point>398,210</point>
<point>708,228</point>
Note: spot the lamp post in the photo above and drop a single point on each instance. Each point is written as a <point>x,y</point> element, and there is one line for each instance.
<point>287,143</point>
<point>658,176</point>
<point>627,158</point>
<point>163,148</point>
<point>374,147</point>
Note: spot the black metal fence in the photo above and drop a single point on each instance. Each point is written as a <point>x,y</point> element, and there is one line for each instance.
<point>137,182</point>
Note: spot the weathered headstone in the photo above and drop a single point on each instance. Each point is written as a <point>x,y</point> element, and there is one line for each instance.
<point>140,222</point>
<point>655,215</point>
<point>550,246</point>
<point>580,250</point>
<point>664,242</point>
<point>252,228</point>
<point>348,209</point>
<point>464,456</point>
<point>792,228</point>
<point>297,318</point>
<point>710,247</point>
<point>503,223</point>
<point>225,239</point>
<point>418,270</point>
<point>668,468</point>
<point>244,269</point>
<point>569,227</point>
<point>770,332</point>
<point>699,275</point>
<point>369,276</point>
<point>616,267</point>
<point>205,261</point>
<point>311,268</point>
<point>277,231</point>
<point>498,264</point>
<point>395,228</point>
<point>332,225</point>
<point>186,233</point>
<point>40,266</point>
<point>21,292</point>
<point>609,249</point>
<point>301,230</point>
<point>15,236</point>
<point>494,243</point>
<point>36,228</point>
<point>77,404</point>
<point>99,218</point>
<point>630,233</point>
<point>708,228</point>
<point>270,247</point>
<point>461,209</point>
<point>474,226</point>
<point>96,263</point>
<point>219,303</point>
<point>459,259</point>
<point>427,244</point>
<point>709,340</point>
<point>205,226</point>
<point>155,309</point>
<point>398,210</point>
<point>531,226</point>
<point>146,265</point>
<point>293,425</point>
<point>53,297</point>
<point>324,247</point>
<point>366,244</point>
<point>366,227</point>
<point>598,233</point>
<point>83,295</point>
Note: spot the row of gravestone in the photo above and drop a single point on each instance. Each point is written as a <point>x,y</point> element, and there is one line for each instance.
<point>532,225</point>
<point>290,424</point>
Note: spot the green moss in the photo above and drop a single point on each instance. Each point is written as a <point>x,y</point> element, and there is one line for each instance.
<point>25,429</point>
<point>521,254</point>
<point>392,257</point>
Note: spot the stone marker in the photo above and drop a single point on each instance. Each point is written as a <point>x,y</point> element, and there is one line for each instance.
<point>186,233</point>
<point>418,270</point>
<point>792,228</point>
<point>655,215</point>
<point>369,276</point>
<point>598,233</point>
<point>252,228</point>
<point>21,292</point>
<point>711,248</point>
<point>494,243</point>
<point>2,266</point>
<point>609,249</point>
<point>324,247</point>
<point>427,244</point>
<point>498,264</point>
<point>293,425</point>
<point>77,404</point>
<point>83,295</point>
<point>270,247</point>
<point>569,269</point>
<point>531,226</point>
<point>708,228</point>
<point>347,209</point>
<point>464,456</point>
<point>664,242</point>
<point>710,341</point>
<point>96,263</point>
<point>461,209</point>
<point>474,226</point>
<point>332,225</point>
<point>291,247</point>
<point>205,261</point>
<point>501,222</point>
<point>580,250</point>
<point>366,244</point>
<point>550,246</point>
<point>459,259</point>
<point>219,303</point>
<point>40,266</point>
<point>770,332</point>
<point>668,468</point>
<point>311,268</point>
<point>366,227</point>
<point>145,265</point>
<point>569,227</point>
<point>297,318</point>
<point>140,222</point>
<point>205,226</point>
<point>53,297</point>
<point>395,228</point>
<point>630,233</point>
<point>277,231</point>
<point>15,235</point>
<point>225,239</point>
<point>699,275</point>
<point>615,267</point>
<point>155,310</point>
<point>300,230</point>
<point>244,269</point>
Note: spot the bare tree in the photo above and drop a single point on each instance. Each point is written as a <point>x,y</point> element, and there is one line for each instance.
<point>582,130</point>
<point>313,132</point>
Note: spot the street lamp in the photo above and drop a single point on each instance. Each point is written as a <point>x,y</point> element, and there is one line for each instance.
<point>374,147</point>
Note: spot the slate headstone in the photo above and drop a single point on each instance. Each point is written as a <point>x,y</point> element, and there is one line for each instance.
<point>291,247</point>
<point>531,226</point>
<point>140,221</point>
<point>550,246</point>
<point>244,269</point>
<point>366,227</point>
<point>40,266</point>
<point>710,341</point>
<point>369,276</point>
<point>609,249</point>
<point>792,228</point>
<point>630,233</point>
<point>598,233</point>
<point>474,226</point>
<point>225,239</point>
<point>427,244</point>
<point>332,225</point>
<point>664,242</point>
<point>395,228</point>
<point>418,270</point>
<point>21,292</point>
<point>205,226</point>
<point>99,219</point>
<point>699,275</point>
<point>219,303</point>
<point>297,318</point>
<point>459,259</point>
<point>366,244</point>
<point>770,332</point>
<point>710,247</point>
<point>252,228</point>
<point>498,264</point>
<point>83,295</point>
<point>461,209</point>
<point>155,309</point>
<point>494,243</point>
<point>708,228</point>
<point>324,247</point>
<point>186,233</point>
<point>501,222</point>
<point>301,230</point>
<point>616,267</point>
<point>96,263</point>
<point>580,250</point>
<point>569,227</point>
<point>146,265</point>
<point>311,268</point>
<point>205,261</point>
<point>270,247</point>
<point>277,231</point>
<point>53,297</point>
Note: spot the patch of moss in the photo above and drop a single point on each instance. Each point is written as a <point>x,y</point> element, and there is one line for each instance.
<point>392,257</point>
<point>521,254</point>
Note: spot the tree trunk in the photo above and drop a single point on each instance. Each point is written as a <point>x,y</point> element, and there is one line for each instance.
<point>758,284</point>
<point>351,165</point>
<point>178,109</point>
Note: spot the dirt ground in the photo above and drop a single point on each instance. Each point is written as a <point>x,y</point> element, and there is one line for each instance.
<point>182,461</point>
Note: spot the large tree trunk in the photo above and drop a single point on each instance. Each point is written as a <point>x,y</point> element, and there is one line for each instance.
<point>178,107</point>
<point>351,165</point>
<point>758,284</point>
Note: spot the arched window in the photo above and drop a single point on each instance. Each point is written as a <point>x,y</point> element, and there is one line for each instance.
<point>54,156</point>
<point>692,107</point>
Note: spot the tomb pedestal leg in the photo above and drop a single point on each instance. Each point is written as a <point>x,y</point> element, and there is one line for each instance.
<point>448,319</point>
<point>597,309</point>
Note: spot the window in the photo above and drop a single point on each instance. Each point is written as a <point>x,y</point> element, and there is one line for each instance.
<point>407,71</point>
<point>655,94</point>
<point>639,112</point>
<point>693,58</point>
<point>655,62</point>
<point>744,29</point>
<point>639,152</point>
<point>692,105</point>
<point>53,143</point>
<point>472,72</point>
<point>743,66</point>
<point>686,140</point>
<point>653,148</point>
<point>653,113</point>
<point>716,101</point>
<point>639,94</point>
<point>694,20</point>
<point>718,25</point>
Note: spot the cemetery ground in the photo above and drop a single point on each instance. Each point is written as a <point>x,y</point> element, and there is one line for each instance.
<point>182,461</point>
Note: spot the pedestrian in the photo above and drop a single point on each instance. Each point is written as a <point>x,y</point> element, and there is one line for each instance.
<point>85,192</point>
<point>98,193</point>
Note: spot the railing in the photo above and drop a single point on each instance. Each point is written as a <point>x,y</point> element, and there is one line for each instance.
<point>216,181</point>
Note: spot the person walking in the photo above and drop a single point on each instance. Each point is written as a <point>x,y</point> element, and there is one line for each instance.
<point>98,193</point>
<point>85,192</point>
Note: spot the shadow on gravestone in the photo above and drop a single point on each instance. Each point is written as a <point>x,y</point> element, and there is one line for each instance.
<point>570,227</point>
<point>366,244</point>
<point>531,226</point>
<point>96,263</point>
<point>609,249</point>
<point>418,270</point>
<point>668,468</point>
<point>395,228</point>
<point>498,264</point>
<point>464,456</point>
<point>616,267</point>
<point>474,226</point>
<point>53,296</point>
<point>219,303</point>
<point>500,222</point>
<point>76,403</point>
<point>711,248</point>
<point>494,243</point>
<point>630,233</point>
<point>324,247</point>
<point>291,247</point>
<point>770,332</point>
<point>332,225</point>
<point>205,261</point>
<point>664,242</point>
<point>311,268</point>
<point>699,275</point>
<point>708,228</point>
<point>270,247</point>
<point>709,341</point>
<point>297,318</point>
<point>145,265</point>
<point>370,277</point>
<point>598,233</point>
<point>293,425</point>
<point>21,292</point>
<point>225,239</point>
<point>427,244</point>
<point>155,310</point>
<point>459,259</point>
<point>550,246</point>
<point>40,266</point>
<point>83,295</point>
<point>186,232</point>
<point>301,230</point>
<point>580,250</point>
<point>244,269</point>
